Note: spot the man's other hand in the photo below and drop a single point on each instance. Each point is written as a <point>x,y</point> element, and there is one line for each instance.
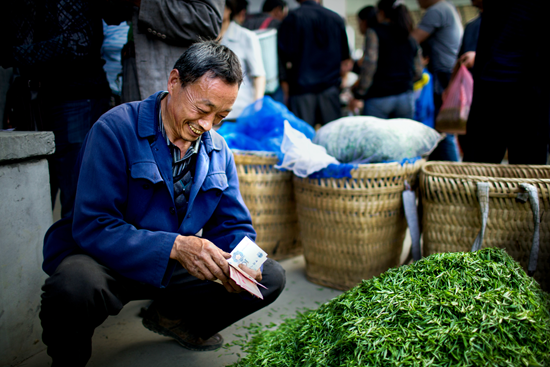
<point>203,260</point>
<point>256,274</point>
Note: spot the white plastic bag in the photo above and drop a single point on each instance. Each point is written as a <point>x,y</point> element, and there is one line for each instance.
<point>301,155</point>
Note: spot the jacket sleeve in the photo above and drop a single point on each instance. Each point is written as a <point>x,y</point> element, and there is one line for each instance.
<point>99,227</point>
<point>231,220</point>
<point>181,22</point>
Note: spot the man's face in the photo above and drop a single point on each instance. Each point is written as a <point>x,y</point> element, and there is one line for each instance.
<point>193,110</point>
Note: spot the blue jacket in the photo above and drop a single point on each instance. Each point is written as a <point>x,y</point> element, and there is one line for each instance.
<point>125,216</point>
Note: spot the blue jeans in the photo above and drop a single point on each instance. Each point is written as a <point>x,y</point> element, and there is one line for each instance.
<point>398,106</point>
<point>447,150</point>
<point>70,121</point>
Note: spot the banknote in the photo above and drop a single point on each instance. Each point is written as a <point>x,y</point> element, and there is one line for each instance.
<point>248,253</point>
<point>252,256</point>
<point>245,283</point>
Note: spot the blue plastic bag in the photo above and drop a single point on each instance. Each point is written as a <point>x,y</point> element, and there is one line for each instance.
<point>264,116</point>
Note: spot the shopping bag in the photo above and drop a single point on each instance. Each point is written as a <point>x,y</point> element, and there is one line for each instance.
<point>457,100</point>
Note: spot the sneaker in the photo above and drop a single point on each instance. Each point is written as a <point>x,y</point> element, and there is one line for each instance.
<point>176,329</point>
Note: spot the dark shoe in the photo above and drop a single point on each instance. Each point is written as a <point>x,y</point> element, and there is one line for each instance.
<point>155,322</point>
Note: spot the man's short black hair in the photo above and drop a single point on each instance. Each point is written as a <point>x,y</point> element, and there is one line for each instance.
<point>269,5</point>
<point>209,57</point>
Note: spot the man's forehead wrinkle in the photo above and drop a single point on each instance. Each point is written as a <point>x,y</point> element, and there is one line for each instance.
<point>207,102</point>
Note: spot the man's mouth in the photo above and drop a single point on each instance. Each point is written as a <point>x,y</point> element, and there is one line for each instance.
<point>196,131</point>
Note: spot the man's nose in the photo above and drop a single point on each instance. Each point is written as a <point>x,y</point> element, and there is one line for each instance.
<point>206,122</point>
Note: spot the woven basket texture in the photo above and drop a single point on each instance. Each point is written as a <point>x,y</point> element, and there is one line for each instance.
<point>268,194</point>
<point>452,219</point>
<point>353,228</point>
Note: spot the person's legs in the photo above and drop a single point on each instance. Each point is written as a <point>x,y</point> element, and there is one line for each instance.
<point>487,126</point>
<point>403,105</point>
<point>76,299</point>
<point>70,121</point>
<point>207,308</point>
<point>446,150</point>
<point>530,118</point>
<point>328,106</point>
<point>303,106</point>
<point>378,107</point>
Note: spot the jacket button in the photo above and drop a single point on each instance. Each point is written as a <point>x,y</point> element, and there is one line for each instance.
<point>146,186</point>
<point>172,211</point>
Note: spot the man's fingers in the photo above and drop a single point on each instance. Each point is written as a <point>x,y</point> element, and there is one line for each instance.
<point>232,287</point>
<point>226,255</point>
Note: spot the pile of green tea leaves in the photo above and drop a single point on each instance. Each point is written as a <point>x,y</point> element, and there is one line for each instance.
<point>452,309</point>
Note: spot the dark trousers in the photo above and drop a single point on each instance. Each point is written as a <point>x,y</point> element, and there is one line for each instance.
<point>507,115</point>
<point>70,121</point>
<point>317,108</point>
<point>82,293</point>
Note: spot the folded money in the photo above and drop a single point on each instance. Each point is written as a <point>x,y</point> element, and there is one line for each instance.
<point>252,256</point>
<point>249,254</point>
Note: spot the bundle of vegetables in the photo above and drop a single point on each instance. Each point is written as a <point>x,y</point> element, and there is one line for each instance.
<point>450,309</point>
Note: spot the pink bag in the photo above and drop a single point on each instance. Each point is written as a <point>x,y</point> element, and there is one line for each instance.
<point>457,99</point>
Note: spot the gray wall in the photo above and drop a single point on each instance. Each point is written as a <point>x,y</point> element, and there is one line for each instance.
<point>25,216</point>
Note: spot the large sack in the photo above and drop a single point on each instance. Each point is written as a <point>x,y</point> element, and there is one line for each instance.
<point>367,139</point>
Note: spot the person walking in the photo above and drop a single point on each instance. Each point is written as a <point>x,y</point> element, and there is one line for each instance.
<point>313,45</point>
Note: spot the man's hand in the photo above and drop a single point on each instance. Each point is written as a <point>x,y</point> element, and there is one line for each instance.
<point>203,260</point>
<point>468,59</point>
<point>256,274</point>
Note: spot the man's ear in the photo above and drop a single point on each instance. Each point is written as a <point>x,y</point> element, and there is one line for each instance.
<point>173,80</point>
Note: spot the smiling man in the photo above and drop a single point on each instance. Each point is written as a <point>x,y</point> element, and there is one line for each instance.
<point>152,176</point>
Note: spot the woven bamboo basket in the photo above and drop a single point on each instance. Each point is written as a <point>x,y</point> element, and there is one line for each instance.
<point>353,228</point>
<point>268,194</point>
<point>452,217</point>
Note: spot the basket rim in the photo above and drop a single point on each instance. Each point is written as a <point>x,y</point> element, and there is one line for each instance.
<point>258,153</point>
<point>425,170</point>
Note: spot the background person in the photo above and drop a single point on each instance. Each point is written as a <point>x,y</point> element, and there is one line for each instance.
<point>511,102</point>
<point>161,30</point>
<point>54,47</point>
<point>442,28</point>
<point>246,45</point>
<point>313,45</point>
<point>273,13</point>
<point>152,175</point>
<point>391,62</point>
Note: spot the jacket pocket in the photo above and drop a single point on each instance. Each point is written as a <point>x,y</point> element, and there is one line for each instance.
<point>215,181</point>
<point>147,171</point>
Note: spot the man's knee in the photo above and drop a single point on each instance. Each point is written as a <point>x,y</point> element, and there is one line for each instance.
<point>76,280</point>
<point>274,277</point>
